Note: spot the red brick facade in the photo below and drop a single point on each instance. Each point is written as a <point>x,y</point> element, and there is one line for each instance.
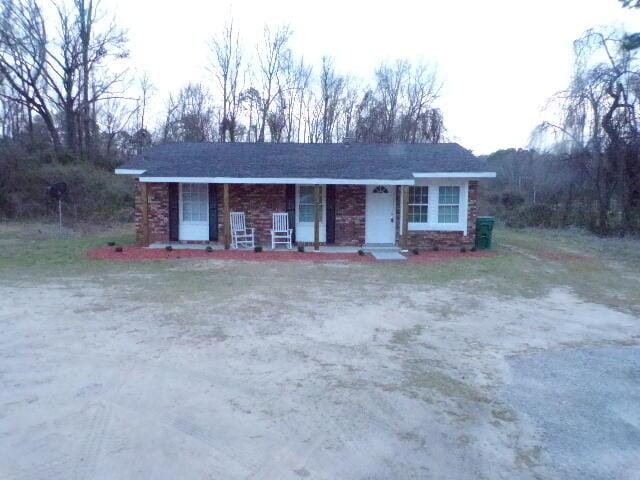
<point>350,210</point>
<point>260,201</point>
<point>158,201</point>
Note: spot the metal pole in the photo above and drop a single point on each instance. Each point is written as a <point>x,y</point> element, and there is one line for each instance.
<point>60,215</point>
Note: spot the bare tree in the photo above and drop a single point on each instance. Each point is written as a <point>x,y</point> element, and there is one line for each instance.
<point>23,61</point>
<point>390,82</point>
<point>64,73</point>
<point>271,53</point>
<point>293,83</point>
<point>146,91</point>
<point>420,122</point>
<point>331,88</point>
<point>227,67</point>
<point>190,116</point>
<point>599,126</point>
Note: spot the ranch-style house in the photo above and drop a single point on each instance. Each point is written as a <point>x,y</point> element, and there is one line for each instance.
<point>407,195</point>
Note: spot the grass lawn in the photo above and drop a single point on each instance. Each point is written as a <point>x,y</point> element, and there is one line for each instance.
<point>529,262</point>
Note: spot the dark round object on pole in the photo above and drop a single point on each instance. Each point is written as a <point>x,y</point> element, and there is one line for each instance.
<point>57,190</point>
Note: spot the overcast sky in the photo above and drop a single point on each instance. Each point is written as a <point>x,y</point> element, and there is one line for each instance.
<point>500,60</point>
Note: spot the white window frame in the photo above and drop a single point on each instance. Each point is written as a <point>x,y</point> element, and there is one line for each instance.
<point>421,204</point>
<point>323,200</point>
<point>449,204</point>
<point>434,194</point>
<point>205,202</point>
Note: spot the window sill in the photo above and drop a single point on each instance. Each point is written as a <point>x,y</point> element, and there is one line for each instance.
<point>438,227</point>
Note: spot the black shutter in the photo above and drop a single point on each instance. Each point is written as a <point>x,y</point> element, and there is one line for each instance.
<point>213,212</point>
<point>174,212</point>
<point>331,214</point>
<point>290,203</point>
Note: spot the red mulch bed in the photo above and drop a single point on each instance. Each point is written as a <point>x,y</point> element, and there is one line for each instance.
<point>136,254</point>
<point>132,253</point>
<point>444,255</point>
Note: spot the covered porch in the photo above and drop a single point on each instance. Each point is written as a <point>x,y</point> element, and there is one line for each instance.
<point>324,217</point>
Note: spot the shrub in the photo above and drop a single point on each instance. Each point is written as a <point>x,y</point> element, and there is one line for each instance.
<point>361,253</point>
<point>538,215</point>
<point>415,251</point>
<point>168,248</point>
<point>209,249</point>
<point>257,249</point>
<point>511,200</point>
<point>94,192</point>
<point>118,249</point>
<point>111,244</point>
<point>301,248</point>
<point>463,249</point>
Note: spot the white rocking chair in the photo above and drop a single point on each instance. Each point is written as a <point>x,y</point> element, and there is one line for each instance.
<point>281,234</point>
<point>241,236</point>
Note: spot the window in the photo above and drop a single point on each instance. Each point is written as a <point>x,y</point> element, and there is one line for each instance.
<point>306,204</point>
<point>448,205</point>
<point>418,204</point>
<point>195,202</point>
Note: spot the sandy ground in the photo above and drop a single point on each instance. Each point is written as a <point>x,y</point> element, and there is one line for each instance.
<point>304,371</point>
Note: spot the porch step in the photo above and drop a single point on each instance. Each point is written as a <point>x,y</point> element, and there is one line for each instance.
<point>387,254</point>
<point>370,247</point>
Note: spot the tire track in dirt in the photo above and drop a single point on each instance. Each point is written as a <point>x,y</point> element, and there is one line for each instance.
<point>222,452</point>
<point>92,443</point>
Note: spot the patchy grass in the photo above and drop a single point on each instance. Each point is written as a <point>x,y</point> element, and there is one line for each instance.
<point>531,262</point>
<point>40,247</point>
<point>528,263</point>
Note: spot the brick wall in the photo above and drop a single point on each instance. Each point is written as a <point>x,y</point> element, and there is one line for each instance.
<point>350,211</point>
<point>450,240</point>
<point>158,199</point>
<point>258,202</point>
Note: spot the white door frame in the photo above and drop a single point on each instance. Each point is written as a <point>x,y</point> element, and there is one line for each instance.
<point>389,216</point>
<point>305,230</point>
<point>190,230</point>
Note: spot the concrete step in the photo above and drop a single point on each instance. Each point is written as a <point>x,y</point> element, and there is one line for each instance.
<point>387,255</point>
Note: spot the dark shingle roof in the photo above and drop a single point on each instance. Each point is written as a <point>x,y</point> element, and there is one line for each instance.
<point>304,160</point>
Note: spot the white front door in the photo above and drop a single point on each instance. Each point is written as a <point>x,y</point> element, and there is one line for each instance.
<point>305,213</point>
<point>194,211</point>
<point>380,214</point>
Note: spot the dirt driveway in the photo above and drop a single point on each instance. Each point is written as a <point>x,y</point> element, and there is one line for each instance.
<point>209,370</point>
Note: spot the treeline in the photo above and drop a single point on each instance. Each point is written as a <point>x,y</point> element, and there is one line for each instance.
<point>585,170</point>
<point>64,110</point>
<point>272,94</point>
<point>71,111</point>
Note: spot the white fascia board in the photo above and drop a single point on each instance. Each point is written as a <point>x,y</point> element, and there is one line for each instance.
<point>455,175</point>
<point>128,171</point>
<point>278,180</point>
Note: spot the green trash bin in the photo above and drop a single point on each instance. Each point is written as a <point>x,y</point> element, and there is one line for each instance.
<point>484,228</point>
